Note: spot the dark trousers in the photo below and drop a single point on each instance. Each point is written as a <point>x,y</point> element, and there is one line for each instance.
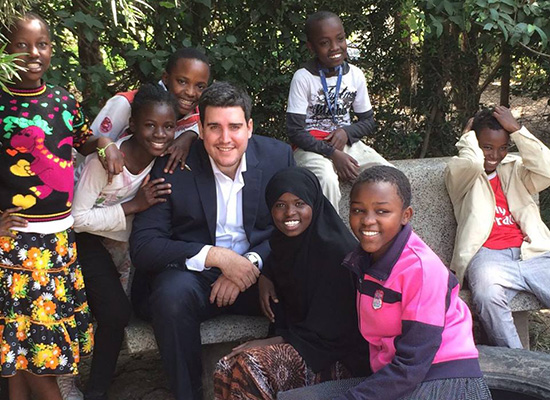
<point>109,305</point>
<point>179,302</point>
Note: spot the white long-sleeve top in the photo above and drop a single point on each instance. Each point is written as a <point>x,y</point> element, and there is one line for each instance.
<point>97,205</point>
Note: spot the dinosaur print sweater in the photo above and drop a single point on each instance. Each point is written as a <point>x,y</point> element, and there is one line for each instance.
<point>38,130</point>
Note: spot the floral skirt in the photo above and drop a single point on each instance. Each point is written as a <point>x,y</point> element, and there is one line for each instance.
<point>45,321</point>
<point>262,372</point>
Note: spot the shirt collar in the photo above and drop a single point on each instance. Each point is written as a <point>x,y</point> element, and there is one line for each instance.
<point>238,175</point>
<point>361,262</point>
<point>162,85</point>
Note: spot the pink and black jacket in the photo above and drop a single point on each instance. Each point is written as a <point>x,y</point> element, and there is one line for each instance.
<point>409,311</point>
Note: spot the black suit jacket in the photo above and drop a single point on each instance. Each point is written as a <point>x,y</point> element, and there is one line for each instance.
<point>169,233</point>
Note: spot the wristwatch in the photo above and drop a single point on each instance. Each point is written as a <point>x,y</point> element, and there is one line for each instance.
<point>253,258</point>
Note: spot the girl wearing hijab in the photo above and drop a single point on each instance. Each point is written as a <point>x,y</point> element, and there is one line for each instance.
<point>306,293</point>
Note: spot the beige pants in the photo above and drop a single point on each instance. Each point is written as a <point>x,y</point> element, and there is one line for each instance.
<point>324,170</point>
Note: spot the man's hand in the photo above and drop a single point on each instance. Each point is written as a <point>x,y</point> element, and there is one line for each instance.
<point>506,119</point>
<point>267,292</point>
<point>338,138</point>
<point>235,267</point>
<point>346,166</point>
<point>179,150</point>
<point>224,292</point>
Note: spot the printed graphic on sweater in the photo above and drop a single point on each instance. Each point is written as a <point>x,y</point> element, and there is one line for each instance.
<point>54,172</point>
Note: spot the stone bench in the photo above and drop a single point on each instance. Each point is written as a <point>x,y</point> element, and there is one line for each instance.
<point>433,221</point>
<point>225,328</point>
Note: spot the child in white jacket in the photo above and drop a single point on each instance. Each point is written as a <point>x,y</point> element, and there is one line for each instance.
<point>502,246</point>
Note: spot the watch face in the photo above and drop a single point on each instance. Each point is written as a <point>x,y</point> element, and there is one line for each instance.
<point>253,259</point>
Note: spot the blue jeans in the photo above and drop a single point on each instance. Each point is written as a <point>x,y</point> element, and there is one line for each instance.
<point>495,277</point>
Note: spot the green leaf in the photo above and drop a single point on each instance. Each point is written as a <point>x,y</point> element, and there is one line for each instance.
<point>231,39</point>
<point>543,36</point>
<point>503,29</point>
<point>89,34</point>
<point>437,25</point>
<point>145,67</point>
<point>457,20</point>
<point>227,64</point>
<point>167,4</point>
<point>521,27</point>
<point>207,3</point>
<point>506,9</point>
<point>511,3</point>
<point>488,26</point>
<point>245,74</point>
<point>494,14</point>
<point>507,19</point>
<point>448,7</point>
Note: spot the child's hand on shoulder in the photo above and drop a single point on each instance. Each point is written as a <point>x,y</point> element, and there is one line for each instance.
<point>179,150</point>
<point>346,166</point>
<point>506,119</point>
<point>149,194</point>
<point>8,220</point>
<point>338,138</point>
<point>110,156</point>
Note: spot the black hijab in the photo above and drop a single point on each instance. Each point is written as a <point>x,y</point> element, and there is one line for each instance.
<point>316,292</point>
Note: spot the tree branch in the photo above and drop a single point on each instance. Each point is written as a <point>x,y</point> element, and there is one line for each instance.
<point>491,77</point>
<point>538,53</point>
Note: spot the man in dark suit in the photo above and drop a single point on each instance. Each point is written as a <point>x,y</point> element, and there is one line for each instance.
<point>204,247</point>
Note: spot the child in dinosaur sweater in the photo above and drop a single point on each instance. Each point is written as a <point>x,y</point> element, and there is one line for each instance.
<point>45,325</point>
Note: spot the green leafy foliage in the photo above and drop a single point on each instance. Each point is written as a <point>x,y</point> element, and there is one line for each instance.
<point>425,60</point>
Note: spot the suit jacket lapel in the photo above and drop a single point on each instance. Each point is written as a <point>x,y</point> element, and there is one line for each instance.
<point>252,190</point>
<point>206,187</point>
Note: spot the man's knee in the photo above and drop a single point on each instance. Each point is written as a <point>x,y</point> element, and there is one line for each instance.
<point>175,295</point>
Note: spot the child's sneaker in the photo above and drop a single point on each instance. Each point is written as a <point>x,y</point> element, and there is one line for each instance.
<point>68,389</point>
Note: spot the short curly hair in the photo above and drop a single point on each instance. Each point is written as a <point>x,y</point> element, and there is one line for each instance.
<point>153,94</point>
<point>485,119</point>
<point>386,173</point>
<point>189,53</point>
<point>317,17</point>
<point>7,30</point>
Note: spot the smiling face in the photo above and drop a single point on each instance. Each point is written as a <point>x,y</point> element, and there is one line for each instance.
<point>187,80</point>
<point>494,144</point>
<point>154,127</point>
<point>30,36</point>
<point>225,132</point>
<point>328,41</point>
<point>377,216</point>
<point>291,215</point>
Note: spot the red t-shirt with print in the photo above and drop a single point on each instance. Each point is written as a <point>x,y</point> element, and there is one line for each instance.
<point>506,232</point>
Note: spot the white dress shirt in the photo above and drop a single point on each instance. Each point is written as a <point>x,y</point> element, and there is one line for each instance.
<point>230,232</point>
